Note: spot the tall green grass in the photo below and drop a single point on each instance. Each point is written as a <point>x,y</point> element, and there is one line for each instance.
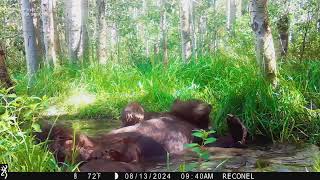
<point>230,85</point>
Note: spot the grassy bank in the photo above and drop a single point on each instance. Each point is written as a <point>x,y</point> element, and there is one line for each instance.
<point>230,85</point>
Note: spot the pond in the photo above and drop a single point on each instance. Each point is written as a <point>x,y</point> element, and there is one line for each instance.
<point>274,157</point>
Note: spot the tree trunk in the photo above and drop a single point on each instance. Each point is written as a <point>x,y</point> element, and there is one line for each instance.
<point>145,31</point>
<point>29,37</point>
<point>283,29</point>
<point>185,23</point>
<point>102,32</point>
<point>231,14</point>
<point>77,14</point>
<point>5,80</point>
<point>48,32</point>
<point>163,28</point>
<point>244,7</point>
<point>264,43</point>
<point>84,30</point>
<point>57,45</point>
<point>193,30</point>
<point>37,23</point>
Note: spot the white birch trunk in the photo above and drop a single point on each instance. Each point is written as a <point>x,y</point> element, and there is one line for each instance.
<point>231,13</point>
<point>264,43</point>
<point>102,32</point>
<point>163,29</point>
<point>185,21</point>
<point>48,32</point>
<point>29,37</point>
<point>73,15</point>
<point>84,53</point>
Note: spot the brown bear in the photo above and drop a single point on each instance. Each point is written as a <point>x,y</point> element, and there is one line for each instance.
<point>237,134</point>
<point>237,130</point>
<point>102,165</point>
<point>173,129</point>
<point>126,147</point>
<point>193,111</point>
<point>64,144</point>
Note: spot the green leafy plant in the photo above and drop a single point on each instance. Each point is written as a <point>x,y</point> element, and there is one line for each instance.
<point>199,149</point>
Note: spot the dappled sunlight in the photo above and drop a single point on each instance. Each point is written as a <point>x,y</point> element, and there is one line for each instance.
<point>55,111</point>
<point>80,98</point>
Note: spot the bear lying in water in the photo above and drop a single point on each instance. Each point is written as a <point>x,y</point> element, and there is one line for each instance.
<point>170,129</point>
<point>126,147</point>
<point>193,111</point>
<point>148,140</point>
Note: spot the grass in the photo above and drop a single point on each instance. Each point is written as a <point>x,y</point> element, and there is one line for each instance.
<point>231,85</point>
<point>317,165</point>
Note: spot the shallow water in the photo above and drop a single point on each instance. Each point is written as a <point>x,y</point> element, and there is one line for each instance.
<point>274,157</point>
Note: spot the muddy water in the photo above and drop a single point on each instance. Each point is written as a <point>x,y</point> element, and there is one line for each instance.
<point>274,157</point>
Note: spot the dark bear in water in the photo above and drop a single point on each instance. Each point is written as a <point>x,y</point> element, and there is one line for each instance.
<point>173,129</point>
<point>102,165</point>
<point>126,147</point>
<point>64,144</point>
<point>193,111</point>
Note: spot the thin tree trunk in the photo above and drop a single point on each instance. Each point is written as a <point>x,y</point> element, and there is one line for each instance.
<point>78,40</point>
<point>5,79</point>
<point>163,28</point>
<point>102,32</point>
<point>29,37</point>
<point>193,30</point>
<point>283,29</point>
<point>57,45</point>
<point>145,31</point>
<point>37,22</point>
<point>231,14</point>
<point>185,21</point>
<point>264,43</point>
<point>84,31</point>
<point>48,32</point>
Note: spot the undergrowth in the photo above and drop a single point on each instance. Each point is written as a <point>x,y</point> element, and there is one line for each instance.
<point>289,112</point>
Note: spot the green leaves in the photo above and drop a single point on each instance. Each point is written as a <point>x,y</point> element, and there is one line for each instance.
<point>198,134</point>
<point>209,140</point>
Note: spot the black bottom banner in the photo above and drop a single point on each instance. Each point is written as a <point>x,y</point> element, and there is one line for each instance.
<point>163,175</point>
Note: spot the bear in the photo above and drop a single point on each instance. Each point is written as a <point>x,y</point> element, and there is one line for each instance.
<point>237,130</point>
<point>132,114</point>
<point>102,165</point>
<point>235,138</point>
<point>192,111</point>
<point>173,129</point>
<point>64,144</point>
<point>126,147</point>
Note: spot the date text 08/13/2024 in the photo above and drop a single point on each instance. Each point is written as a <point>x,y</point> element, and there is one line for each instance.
<point>184,176</point>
